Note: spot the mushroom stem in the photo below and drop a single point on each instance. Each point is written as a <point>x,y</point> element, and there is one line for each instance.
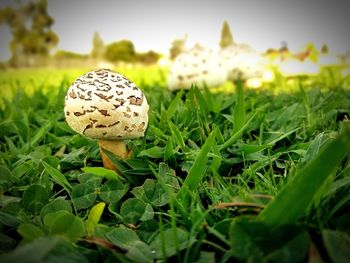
<point>116,147</point>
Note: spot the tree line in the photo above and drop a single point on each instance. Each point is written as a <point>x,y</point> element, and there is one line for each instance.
<point>33,39</point>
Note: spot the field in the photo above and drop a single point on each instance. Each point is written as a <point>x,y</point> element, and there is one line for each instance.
<point>233,175</point>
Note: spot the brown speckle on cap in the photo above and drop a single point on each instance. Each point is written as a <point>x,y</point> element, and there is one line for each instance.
<point>72,95</point>
<point>135,101</point>
<point>104,112</point>
<point>126,115</point>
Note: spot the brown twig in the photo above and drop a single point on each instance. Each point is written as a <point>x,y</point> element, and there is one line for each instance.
<point>263,196</point>
<point>103,243</point>
<point>238,204</point>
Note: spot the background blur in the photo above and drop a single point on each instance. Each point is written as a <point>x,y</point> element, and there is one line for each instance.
<point>64,32</point>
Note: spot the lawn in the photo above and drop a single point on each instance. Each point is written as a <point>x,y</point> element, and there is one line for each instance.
<point>233,175</point>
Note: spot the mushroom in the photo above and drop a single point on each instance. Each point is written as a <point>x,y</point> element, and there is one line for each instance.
<point>328,60</point>
<point>107,106</point>
<point>241,61</point>
<point>345,72</point>
<point>199,66</point>
<point>295,68</point>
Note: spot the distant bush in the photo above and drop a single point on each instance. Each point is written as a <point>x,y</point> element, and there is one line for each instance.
<point>120,51</point>
<point>64,54</point>
<point>149,57</point>
<point>2,65</point>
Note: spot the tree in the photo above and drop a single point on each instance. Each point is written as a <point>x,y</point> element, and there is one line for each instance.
<point>120,51</point>
<point>177,47</point>
<point>149,57</point>
<point>32,37</point>
<point>226,35</point>
<point>324,49</point>
<point>98,46</point>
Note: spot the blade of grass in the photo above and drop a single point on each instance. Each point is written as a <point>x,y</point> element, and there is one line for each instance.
<point>57,177</point>
<point>94,217</point>
<point>101,171</point>
<point>239,110</point>
<point>282,136</point>
<point>197,171</point>
<point>202,103</point>
<point>171,110</point>
<point>298,194</point>
<point>174,202</point>
<point>40,134</point>
<point>177,135</point>
<point>238,133</point>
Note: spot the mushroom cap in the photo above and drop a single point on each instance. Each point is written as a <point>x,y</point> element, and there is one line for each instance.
<point>103,104</point>
<point>328,60</point>
<point>294,68</point>
<point>345,72</point>
<point>242,61</point>
<point>199,66</point>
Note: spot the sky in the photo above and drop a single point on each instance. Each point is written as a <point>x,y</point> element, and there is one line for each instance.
<point>154,24</point>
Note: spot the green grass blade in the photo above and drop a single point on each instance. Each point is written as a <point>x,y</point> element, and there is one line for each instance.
<point>282,136</point>
<point>57,177</point>
<point>177,135</point>
<point>296,197</point>
<point>101,171</point>
<point>163,169</point>
<point>239,110</point>
<point>42,132</point>
<point>197,171</point>
<point>173,106</point>
<point>238,133</point>
<point>203,104</point>
<point>93,218</point>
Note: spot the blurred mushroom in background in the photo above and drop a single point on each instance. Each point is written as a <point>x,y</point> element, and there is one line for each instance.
<point>241,61</point>
<point>198,66</point>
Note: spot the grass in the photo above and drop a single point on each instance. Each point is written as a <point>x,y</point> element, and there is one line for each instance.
<point>253,175</point>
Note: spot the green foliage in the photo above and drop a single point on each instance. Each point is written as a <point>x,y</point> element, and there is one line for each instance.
<point>197,187</point>
<point>134,210</point>
<point>152,192</point>
<point>64,223</point>
<point>34,198</point>
<point>94,217</point>
<point>253,241</point>
<point>29,232</point>
<point>305,184</point>
<point>337,245</point>
<point>170,241</point>
<point>45,249</point>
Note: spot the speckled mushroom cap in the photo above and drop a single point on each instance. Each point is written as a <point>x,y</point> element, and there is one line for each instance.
<point>106,105</point>
<point>199,66</point>
<point>242,61</point>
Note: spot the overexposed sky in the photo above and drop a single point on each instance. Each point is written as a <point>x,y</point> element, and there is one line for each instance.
<point>154,24</point>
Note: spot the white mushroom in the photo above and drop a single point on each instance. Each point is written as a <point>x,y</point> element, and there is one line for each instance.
<point>241,61</point>
<point>294,68</point>
<point>328,60</point>
<point>199,66</point>
<point>107,106</point>
<point>345,72</point>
